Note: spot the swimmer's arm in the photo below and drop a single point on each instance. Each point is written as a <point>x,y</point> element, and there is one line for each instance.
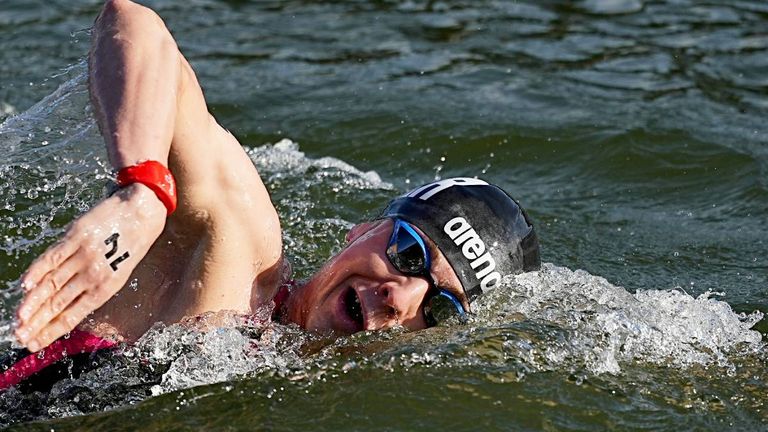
<point>135,80</point>
<point>160,111</point>
<point>150,106</point>
<point>134,71</point>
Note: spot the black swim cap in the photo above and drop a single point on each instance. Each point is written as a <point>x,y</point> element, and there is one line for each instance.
<point>482,231</point>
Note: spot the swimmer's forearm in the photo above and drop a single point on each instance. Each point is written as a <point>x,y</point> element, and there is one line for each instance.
<point>134,80</point>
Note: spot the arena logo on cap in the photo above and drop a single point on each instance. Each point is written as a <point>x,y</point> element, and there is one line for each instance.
<point>431,189</point>
<point>473,248</point>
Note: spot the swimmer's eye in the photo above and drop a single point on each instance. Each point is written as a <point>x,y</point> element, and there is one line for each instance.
<point>407,251</point>
<point>442,306</point>
<point>409,254</point>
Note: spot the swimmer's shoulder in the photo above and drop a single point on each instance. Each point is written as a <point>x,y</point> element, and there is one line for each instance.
<point>226,210</point>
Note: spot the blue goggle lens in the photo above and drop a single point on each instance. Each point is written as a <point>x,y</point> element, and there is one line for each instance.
<point>409,255</point>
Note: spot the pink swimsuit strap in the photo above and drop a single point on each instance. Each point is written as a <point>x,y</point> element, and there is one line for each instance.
<point>281,298</point>
<point>78,342</point>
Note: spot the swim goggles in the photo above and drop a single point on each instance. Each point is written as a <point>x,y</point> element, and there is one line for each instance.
<point>409,255</point>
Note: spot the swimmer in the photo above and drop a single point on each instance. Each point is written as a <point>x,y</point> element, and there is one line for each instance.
<point>192,225</point>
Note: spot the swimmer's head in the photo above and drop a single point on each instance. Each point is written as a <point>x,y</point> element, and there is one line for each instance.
<point>465,233</point>
<point>483,233</point>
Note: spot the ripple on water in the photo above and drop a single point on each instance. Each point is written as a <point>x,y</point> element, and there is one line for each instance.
<point>679,86</point>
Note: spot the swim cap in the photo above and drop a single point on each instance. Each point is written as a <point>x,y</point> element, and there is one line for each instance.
<point>481,230</point>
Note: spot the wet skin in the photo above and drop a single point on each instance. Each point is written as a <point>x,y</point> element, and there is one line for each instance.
<point>362,273</point>
<point>222,248</point>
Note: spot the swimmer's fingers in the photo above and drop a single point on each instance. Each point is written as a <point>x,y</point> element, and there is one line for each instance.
<point>51,309</point>
<point>47,262</point>
<point>43,290</point>
<point>64,322</point>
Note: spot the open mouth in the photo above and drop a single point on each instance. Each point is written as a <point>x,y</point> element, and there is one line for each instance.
<point>353,307</point>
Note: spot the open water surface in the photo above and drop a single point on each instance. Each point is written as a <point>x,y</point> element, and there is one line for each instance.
<point>633,131</point>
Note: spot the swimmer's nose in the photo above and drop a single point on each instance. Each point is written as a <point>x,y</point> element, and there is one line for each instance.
<point>401,304</point>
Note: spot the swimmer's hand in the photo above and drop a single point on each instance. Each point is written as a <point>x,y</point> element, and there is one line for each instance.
<point>88,265</point>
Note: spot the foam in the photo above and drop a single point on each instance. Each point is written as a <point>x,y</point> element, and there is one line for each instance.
<point>607,325</point>
<point>284,158</point>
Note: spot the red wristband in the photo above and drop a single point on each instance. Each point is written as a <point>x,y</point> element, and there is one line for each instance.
<point>155,176</point>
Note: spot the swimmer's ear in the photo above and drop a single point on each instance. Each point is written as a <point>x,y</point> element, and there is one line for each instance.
<point>360,229</point>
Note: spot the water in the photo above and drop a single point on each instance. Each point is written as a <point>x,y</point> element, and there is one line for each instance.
<point>633,132</point>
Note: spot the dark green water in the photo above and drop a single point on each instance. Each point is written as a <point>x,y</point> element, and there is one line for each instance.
<point>633,131</point>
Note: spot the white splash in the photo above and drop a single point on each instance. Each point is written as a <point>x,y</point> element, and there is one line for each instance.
<point>608,325</point>
<point>284,157</point>
<point>216,347</point>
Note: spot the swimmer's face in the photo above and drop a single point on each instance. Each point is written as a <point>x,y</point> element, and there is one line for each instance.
<point>359,289</point>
